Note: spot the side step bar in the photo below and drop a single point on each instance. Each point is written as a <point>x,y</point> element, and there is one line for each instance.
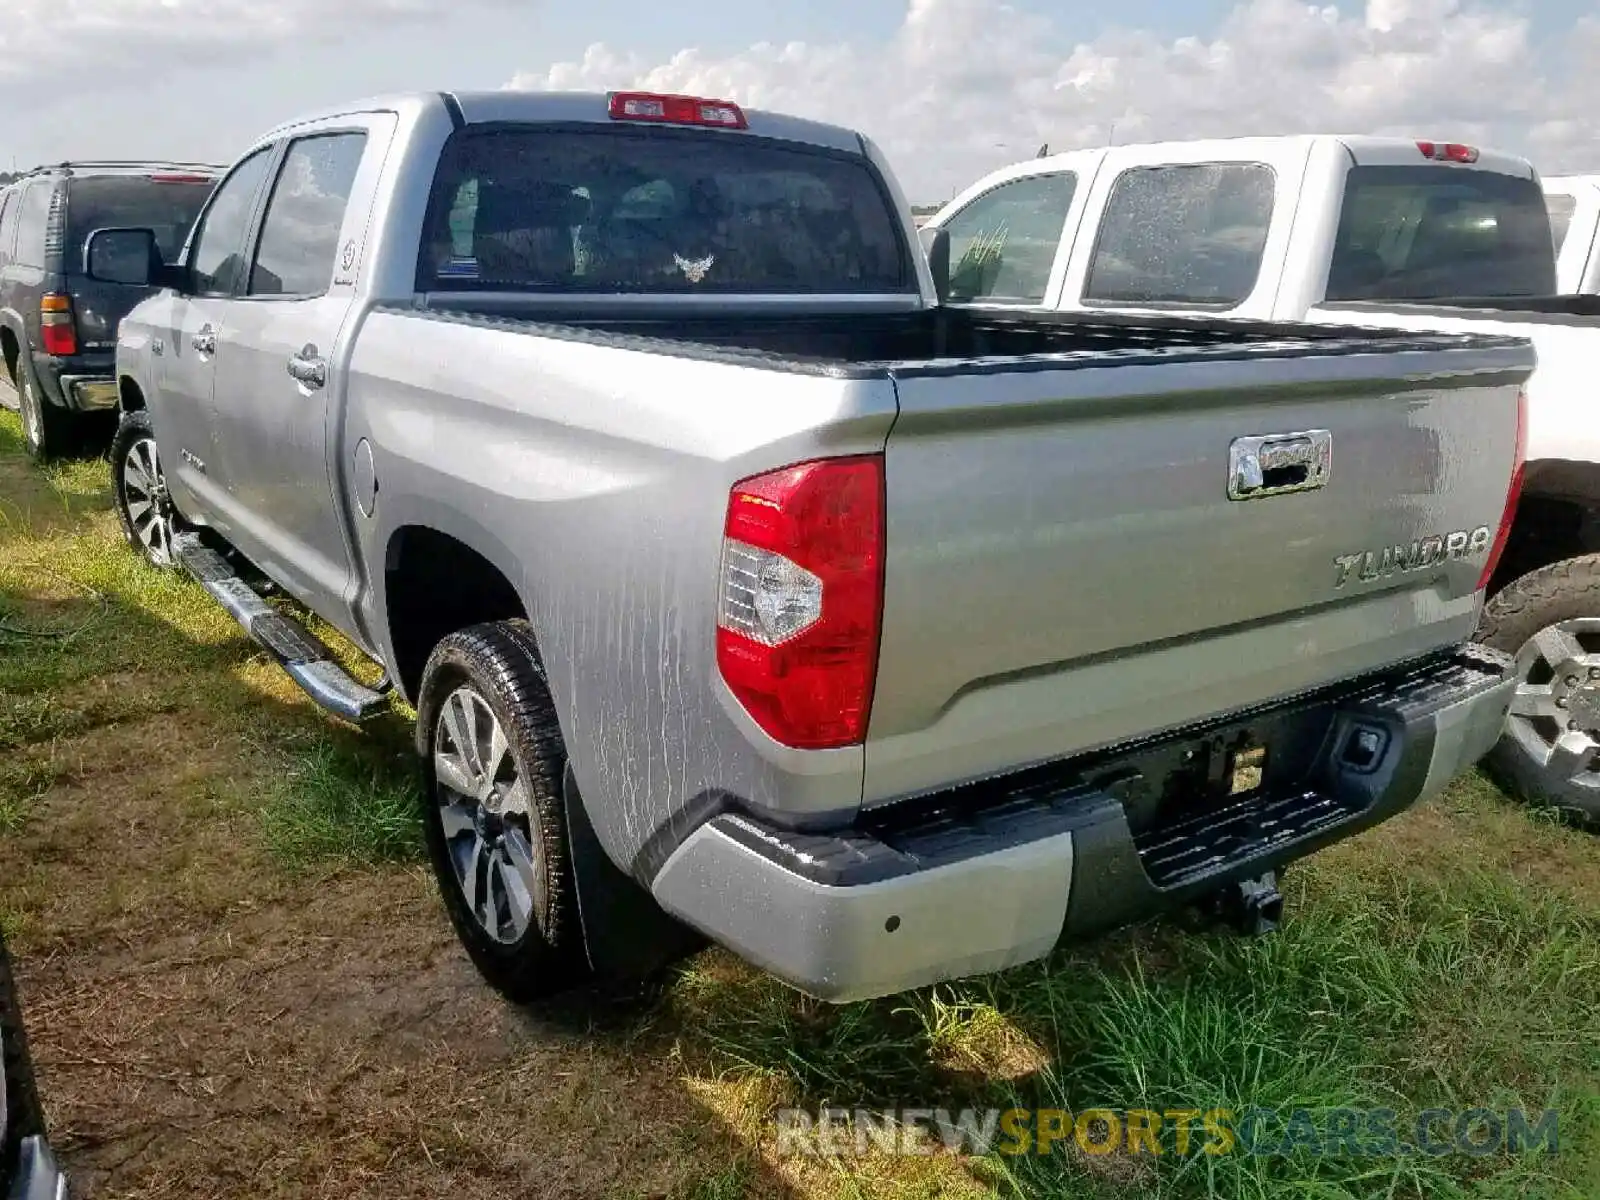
<point>299,651</point>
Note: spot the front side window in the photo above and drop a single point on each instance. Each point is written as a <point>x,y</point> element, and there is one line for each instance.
<point>1003,244</point>
<point>216,261</point>
<point>300,233</point>
<point>539,209</point>
<point>1437,232</point>
<point>1183,235</point>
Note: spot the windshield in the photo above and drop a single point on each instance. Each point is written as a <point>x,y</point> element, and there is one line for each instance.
<point>1433,233</point>
<point>543,209</point>
<point>137,201</point>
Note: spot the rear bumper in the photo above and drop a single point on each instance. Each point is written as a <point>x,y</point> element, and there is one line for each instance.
<point>86,383</point>
<point>997,873</point>
<point>89,393</point>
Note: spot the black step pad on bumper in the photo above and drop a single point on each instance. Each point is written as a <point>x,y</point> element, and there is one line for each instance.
<point>299,651</point>
<point>1210,844</point>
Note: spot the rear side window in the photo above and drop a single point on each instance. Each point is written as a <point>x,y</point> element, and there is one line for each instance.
<point>33,214</point>
<point>1560,209</point>
<point>8,221</point>
<point>662,211</point>
<point>168,206</point>
<point>1189,235</point>
<point>1003,244</point>
<point>300,233</point>
<point>1437,232</point>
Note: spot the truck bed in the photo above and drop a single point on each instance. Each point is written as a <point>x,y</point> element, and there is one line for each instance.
<point>1071,475</point>
<point>947,340</point>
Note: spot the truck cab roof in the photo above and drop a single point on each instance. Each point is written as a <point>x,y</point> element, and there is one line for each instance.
<point>486,107</point>
<point>1363,149</point>
<point>1251,227</point>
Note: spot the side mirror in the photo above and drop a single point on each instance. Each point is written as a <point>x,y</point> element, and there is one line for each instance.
<point>127,256</point>
<point>936,245</point>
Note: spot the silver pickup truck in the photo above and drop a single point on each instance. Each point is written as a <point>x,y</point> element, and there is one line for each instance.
<point>744,590</point>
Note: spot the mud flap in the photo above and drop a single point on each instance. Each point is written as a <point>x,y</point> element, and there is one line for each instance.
<point>625,932</point>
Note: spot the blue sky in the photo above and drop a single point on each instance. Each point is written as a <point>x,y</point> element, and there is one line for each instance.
<point>1001,75</point>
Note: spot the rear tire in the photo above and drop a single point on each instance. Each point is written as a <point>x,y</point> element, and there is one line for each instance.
<point>48,432</point>
<point>1549,620</point>
<point>496,829</point>
<point>149,518</point>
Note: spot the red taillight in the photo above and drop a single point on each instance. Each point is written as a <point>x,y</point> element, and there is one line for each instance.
<point>58,331</point>
<point>676,110</point>
<point>1513,494</point>
<point>177,178</point>
<point>1448,152</point>
<point>802,599</point>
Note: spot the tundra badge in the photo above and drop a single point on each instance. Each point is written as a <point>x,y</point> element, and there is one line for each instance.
<point>1368,565</point>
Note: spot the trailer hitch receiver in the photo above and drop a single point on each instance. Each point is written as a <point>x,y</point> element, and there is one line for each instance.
<point>1251,906</point>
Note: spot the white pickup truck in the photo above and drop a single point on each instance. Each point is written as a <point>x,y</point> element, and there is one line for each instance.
<point>1379,232</point>
<point>1574,204</point>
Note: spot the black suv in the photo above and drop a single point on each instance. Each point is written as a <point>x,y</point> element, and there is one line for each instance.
<point>28,1169</point>
<point>58,329</point>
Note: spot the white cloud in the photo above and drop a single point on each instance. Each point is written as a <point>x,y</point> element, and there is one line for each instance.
<point>46,42</point>
<point>964,85</point>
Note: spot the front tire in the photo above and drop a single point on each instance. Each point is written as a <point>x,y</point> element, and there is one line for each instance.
<point>149,519</point>
<point>494,761</point>
<point>1549,620</point>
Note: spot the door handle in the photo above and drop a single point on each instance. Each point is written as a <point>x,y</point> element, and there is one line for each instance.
<point>205,340</point>
<point>309,368</point>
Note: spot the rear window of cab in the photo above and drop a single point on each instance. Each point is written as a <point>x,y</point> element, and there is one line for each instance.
<point>556,209</point>
<point>166,204</point>
<point>1439,232</point>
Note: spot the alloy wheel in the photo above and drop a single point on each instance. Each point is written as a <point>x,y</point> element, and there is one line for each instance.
<point>486,817</point>
<point>145,494</point>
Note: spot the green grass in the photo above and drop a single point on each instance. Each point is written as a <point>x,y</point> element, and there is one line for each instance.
<point>336,804</point>
<point>91,636</point>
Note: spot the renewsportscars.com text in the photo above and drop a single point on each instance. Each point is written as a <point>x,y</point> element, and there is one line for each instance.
<point>1182,1132</point>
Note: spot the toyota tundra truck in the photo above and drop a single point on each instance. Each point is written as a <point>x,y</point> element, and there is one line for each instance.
<point>743,590</point>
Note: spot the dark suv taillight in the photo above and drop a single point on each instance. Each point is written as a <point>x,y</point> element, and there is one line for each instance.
<point>58,328</point>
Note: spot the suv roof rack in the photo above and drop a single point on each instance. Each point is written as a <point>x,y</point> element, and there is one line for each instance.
<point>126,164</point>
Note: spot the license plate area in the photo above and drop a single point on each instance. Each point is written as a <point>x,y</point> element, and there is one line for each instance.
<point>1272,753</point>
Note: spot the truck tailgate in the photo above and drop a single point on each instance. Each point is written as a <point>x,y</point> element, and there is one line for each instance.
<point>1066,570</point>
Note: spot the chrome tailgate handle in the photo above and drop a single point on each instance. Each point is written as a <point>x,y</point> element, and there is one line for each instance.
<point>1276,464</point>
